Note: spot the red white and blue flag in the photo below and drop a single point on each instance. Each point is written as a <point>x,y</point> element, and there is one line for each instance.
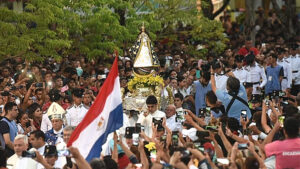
<point>104,116</point>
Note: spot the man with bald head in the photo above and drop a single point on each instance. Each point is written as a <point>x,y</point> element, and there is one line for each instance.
<point>171,118</point>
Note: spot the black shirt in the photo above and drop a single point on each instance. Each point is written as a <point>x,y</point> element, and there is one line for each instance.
<point>4,128</point>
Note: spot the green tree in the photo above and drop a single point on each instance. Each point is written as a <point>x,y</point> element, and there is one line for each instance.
<point>181,18</point>
<point>40,31</point>
<point>87,28</point>
<point>209,34</point>
<point>95,28</point>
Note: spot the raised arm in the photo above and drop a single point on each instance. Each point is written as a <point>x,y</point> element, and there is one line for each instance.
<point>264,78</point>
<point>212,80</point>
<point>143,156</point>
<point>270,136</point>
<point>193,123</point>
<point>259,159</point>
<point>226,143</point>
<point>264,124</point>
<point>197,119</point>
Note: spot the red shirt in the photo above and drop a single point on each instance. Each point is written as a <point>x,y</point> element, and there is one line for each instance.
<point>287,153</point>
<point>244,51</point>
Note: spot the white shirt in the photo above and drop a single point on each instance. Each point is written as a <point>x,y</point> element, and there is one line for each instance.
<point>147,121</point>
<point>287,74</point>
<point>41,150</point>
<point>240,74</point>
<point>295,66</point>
<point>12,161</point>
<point>75,114</point>
<point>256,74</point>
<point>172,124</point>
<point>221,82</point>
<point>29,163</point>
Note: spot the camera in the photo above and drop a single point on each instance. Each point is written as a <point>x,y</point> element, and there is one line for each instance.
<point>202,112</point>
<point>163,138</point>
<point>27,124</point>
<point>267,102</point>
<point>281,120</point>
<point>129,131</point>
<point>224,127</point>
<point>69,162</point>
<point>175,138</point>
<point>157,123</point>
<point>242,146</point>
<point>282,94</point>
<point>135,139</point>
<point>180,116</point>
<point>244,114</point>
<point>139,128</point>
<point>39,85</point>
<point>29,154</point>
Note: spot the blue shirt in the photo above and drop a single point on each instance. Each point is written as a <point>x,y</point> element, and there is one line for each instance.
<point>200,95</point>
<point>273,81</point>
<point>237,106</point>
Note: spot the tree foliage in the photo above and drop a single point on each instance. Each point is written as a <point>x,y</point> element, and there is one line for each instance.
<point>40,31</point>
<point>95,28</point>
<point>181,18</point>
<point>208,8</point>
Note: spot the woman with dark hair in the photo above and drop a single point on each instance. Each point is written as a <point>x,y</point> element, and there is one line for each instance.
<point>24,123</point>
<point>35,113</point>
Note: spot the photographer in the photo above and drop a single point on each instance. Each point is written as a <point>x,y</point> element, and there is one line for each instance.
<point>24,123</point>
<point>235,100</point>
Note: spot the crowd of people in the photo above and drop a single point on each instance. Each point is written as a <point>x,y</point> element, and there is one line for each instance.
<point>237,110</point>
